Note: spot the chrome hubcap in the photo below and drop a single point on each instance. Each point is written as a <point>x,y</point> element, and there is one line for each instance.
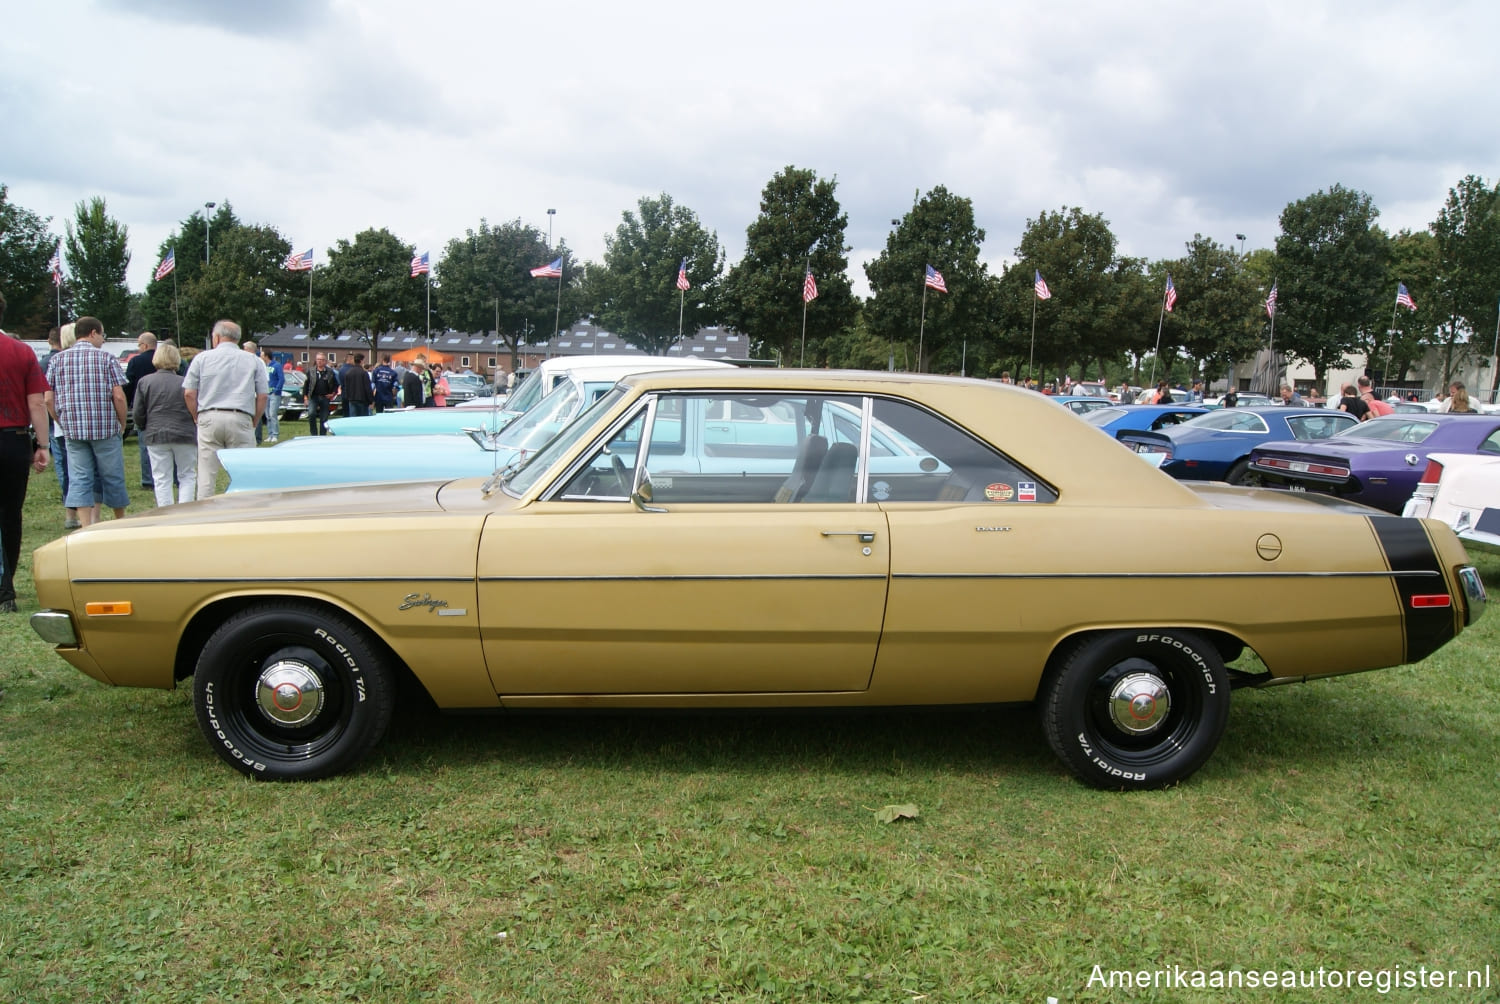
<point>289,693</point>
<point>1139,702</point>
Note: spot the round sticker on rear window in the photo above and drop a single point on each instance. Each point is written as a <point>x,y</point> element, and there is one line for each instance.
<point>999,492</point>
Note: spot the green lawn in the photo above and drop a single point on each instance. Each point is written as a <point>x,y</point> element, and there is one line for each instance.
<point>1348,824</point>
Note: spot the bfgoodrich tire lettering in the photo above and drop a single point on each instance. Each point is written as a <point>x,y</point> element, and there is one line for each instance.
<point>1136,709</point>
<point>291,691</point>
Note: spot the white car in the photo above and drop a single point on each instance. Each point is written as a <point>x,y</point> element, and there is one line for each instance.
<point>1462,490</point>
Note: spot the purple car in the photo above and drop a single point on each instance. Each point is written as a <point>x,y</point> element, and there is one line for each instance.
<point>1378,462</point>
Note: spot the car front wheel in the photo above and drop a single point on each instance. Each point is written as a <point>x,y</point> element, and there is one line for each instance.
<point>288,691</point>
<point>1136,709</point>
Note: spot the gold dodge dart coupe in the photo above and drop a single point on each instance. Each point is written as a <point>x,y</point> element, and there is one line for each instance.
<point>760,539</point>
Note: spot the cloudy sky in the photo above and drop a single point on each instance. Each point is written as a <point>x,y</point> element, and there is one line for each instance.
<point>325,117</point>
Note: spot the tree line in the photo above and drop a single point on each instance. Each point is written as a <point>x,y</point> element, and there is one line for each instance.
<point>1334,269</point>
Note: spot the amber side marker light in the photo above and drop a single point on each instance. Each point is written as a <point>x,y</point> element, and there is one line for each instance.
<point>1439,600</point>
<point>122,609</point>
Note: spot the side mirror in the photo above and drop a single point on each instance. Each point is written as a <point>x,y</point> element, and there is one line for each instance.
<point>641,497</point>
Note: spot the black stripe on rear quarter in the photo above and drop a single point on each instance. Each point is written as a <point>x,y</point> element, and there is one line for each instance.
<point>1408,549</point>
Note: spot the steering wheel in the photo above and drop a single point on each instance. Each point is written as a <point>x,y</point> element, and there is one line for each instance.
<point>622,476</point>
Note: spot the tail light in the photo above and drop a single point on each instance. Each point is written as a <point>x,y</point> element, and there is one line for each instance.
<point>1432,475</point>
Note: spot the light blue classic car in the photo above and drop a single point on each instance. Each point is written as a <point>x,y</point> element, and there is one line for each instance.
<point>728,436</point>
<point>591,375</point>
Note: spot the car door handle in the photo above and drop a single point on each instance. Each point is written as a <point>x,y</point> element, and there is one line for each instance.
<point>865,536</point>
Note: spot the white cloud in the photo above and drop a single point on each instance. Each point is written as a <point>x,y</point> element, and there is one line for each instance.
<point>323,119</point>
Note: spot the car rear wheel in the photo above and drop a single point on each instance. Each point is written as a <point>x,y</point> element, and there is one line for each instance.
<point>1136,709</point>
<point>289,691</point>
<point>1241,474</point>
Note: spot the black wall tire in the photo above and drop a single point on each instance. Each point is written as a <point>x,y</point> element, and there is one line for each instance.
<point>1241,474</point>
<point>1136,709</point>
<point>287,691</point>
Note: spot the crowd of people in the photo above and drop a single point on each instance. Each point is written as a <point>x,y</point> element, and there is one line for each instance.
<point>73,407</point>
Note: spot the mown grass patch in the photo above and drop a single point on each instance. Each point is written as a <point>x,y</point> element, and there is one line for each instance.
<point>1344,824</point>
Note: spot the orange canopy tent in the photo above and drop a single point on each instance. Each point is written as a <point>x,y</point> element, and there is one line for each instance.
<point>405,356</point>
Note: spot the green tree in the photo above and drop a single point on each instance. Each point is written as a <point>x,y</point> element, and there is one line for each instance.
<point>1413,261</point>
<point>800,228</point>
<point>1331,270</point>
<point>940,232</point>
<point>26,245</point>
<point>246,282</point>
<point>635,293</point>
<point>1080,324</point>
<point>487,283</point>
<point>1219,307</point>
<point>1467,231</point>
<point>173,297</point>
<point>98,255</point>
<point>367,287</point>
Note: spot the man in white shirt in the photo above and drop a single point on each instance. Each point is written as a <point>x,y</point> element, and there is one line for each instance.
<point>225,390</point>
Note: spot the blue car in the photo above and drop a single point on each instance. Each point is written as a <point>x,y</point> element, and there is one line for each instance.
<point>1142,417</point>
<point>1216,446</point>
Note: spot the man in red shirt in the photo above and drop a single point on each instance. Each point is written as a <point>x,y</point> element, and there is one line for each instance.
<point>23,448</point>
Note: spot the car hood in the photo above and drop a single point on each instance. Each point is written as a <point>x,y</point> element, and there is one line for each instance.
<point>340,501</point>
<point>309,462</point>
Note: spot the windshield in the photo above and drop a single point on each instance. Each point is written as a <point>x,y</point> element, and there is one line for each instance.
<point>521,481</point>
<point>1103,416</point>
<point>537,425</point>
<point>1392,429</point>
<point>527,393</point>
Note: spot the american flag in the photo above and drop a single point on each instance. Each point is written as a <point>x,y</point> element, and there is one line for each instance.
<point>1042,292</point>
<point>167,265</point>
<point>1171,294</point>
<point>1403,297</point>
<point>55,264</point>
<point>809,288</point>
<point>419,264</point>
<point>682,279</point>
<point>935,280</point>
<point>1271,302</point>
<point>551,270</point>
<point>298,262</point>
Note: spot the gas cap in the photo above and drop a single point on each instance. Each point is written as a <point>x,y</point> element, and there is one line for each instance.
<point>1268,547</point>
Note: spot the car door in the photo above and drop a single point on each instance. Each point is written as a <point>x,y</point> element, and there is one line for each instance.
<point>966,617</point>
<point>713,587</point>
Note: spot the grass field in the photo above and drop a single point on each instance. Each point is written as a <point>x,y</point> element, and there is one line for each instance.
<point>1351,824</point>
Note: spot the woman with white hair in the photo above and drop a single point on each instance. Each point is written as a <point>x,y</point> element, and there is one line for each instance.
<point>164,425</point>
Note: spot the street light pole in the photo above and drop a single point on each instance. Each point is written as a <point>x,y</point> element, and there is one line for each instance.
<point>550,214</point>
<point>207,229</point>
<point>1241,239</point>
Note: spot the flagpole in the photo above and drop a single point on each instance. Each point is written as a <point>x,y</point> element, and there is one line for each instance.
<point>1495,358</point>
<point>428,273</point>
<point>176,315</point>
<point>681,299</point>
<point>806,271</point>
<point>922,328</point>
<point>557,314</point>
<point>309,303</point>
<point>1273,337</point>
<point>1157,354</point>
<point>1031,362</point>
<point>1390,342</point>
